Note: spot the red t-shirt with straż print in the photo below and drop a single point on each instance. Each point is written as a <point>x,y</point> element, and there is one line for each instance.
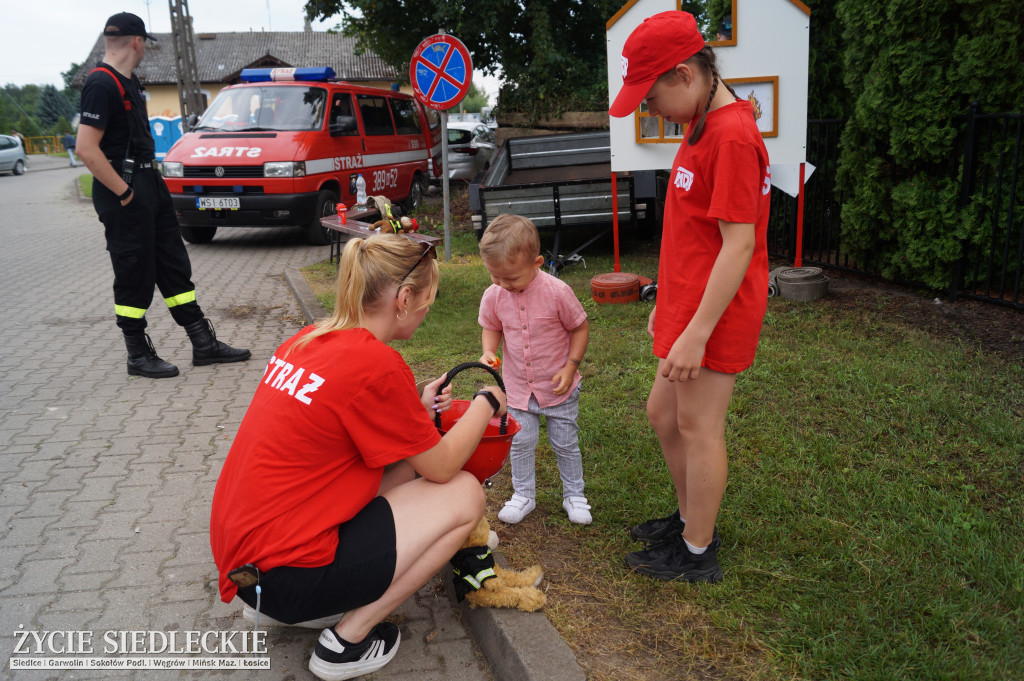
<point>725,176</point>
<point>311,450</point>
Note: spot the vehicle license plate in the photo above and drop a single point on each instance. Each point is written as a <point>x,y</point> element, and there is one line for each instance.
<point>217,203</point>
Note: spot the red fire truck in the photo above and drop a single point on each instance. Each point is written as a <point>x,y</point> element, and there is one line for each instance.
<point>286,145</point>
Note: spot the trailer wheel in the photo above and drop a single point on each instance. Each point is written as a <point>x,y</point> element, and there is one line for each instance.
<point>326,202</point>
<point>415,198</point>
<point>197,235</point>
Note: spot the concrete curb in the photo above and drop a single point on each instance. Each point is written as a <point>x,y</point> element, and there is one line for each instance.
<point>311,307</point>
<point>519,646</point>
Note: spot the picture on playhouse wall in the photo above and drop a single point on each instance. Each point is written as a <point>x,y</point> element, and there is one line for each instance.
<point>763,94</point>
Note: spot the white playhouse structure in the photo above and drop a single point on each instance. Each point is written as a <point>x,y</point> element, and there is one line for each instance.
<point>765,61</point>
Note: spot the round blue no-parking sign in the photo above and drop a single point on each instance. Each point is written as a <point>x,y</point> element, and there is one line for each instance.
<point>441,71</point>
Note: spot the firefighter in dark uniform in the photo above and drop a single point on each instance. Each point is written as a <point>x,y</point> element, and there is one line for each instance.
<point>135,208</point>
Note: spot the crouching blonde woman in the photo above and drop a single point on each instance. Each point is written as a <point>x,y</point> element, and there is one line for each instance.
<point>339,499</point>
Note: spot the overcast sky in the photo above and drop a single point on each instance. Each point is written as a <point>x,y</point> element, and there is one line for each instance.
<point>40,42</point>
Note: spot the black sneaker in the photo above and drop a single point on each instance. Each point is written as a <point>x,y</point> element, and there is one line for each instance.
<point>671,560</point>
<point>659,529</point>
<point>335,659</point>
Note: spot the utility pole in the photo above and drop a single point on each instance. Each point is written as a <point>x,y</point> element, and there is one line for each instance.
<point>189,95</point>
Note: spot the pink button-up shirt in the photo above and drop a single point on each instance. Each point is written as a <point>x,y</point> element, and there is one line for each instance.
<point>535,325</point>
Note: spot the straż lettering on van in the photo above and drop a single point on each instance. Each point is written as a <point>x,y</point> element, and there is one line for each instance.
<point>283,147</point>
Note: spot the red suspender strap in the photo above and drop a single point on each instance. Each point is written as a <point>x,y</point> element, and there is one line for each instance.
<point>117,81</point>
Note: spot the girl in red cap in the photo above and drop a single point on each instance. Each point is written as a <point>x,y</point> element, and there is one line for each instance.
<point>712,281</point>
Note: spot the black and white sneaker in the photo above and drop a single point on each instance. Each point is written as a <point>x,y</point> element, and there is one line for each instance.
<point>335,659</point>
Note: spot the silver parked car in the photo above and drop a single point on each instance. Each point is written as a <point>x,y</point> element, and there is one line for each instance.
<point>12,155</point>
<point>471,146</point>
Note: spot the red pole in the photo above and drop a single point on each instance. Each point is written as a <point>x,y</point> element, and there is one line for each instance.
<point>615,219</point>
<point>798,257</point>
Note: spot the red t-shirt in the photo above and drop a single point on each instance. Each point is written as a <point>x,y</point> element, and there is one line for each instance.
<point>311,450</point>
<point>725,176</point>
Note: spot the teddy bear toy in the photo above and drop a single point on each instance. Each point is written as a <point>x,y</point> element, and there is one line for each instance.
<point>392,222</point>
<point>403,225</point>
<point>478,580</point>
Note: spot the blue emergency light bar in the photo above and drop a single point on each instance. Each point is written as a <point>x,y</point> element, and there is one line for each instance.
<point>307,73</point>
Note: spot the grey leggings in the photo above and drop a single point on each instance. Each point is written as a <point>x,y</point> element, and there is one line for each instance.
<point>563,435</point>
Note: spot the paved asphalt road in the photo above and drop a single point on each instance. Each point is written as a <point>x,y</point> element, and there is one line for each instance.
<point>106,479</point>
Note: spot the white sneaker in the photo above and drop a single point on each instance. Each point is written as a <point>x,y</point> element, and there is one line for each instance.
<point>249,615</point>
<point>578,510</point>
<point>516,508</point>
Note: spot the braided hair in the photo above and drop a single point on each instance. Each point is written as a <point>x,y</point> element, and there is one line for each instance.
<point>705,60</point>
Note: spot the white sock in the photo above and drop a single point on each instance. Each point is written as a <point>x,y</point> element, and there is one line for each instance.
<point>693,549</point>
<point>682,518</point>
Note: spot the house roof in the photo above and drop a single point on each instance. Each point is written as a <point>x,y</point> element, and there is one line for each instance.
<point>220,57</point>
<point>629,4</point>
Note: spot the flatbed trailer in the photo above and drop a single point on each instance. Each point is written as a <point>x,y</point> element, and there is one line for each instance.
<point>563,182</point>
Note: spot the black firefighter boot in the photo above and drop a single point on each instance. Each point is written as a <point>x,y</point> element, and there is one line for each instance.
<point>143,360</point>
<point>206,349</point>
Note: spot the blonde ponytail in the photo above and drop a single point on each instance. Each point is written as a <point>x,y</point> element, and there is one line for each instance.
<point>369,273</point>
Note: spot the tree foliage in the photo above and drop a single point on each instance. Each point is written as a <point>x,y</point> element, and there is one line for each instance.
<point>911,70</point>
<point>474,101</point>
<point>550,55</point>
<point>52,106</point>
<point>827,96</point>
<point>35,110</point>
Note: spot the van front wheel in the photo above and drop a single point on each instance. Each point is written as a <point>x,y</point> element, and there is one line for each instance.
<point>415,198</point>
<point>326,204</point>
<point>197,235</point>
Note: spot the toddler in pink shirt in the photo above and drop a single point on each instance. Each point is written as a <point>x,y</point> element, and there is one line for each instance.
<point>544,332</point>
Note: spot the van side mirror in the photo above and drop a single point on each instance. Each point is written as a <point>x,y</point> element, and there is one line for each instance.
<point>343,125</point>
<point>193,119</point>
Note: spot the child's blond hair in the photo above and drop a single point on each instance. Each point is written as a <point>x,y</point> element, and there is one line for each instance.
<point>509,236</point>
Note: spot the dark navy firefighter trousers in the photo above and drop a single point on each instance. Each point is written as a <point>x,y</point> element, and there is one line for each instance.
<point>146,249</point>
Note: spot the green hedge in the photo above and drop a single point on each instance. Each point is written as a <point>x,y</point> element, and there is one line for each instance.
<point>911,70</point>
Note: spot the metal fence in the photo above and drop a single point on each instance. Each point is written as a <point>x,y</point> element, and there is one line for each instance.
<point>992,194</point>
<point>990,157</point>
<point>47,144</point>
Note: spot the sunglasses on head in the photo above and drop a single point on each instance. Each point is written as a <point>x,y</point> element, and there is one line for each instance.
<point>430,250</point>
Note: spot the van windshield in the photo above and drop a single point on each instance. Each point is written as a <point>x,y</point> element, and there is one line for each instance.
<point>272,107</point>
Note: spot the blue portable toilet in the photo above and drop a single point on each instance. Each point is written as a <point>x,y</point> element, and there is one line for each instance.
<point>166,131</point>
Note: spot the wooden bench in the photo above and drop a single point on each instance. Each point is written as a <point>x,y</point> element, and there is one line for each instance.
<point>357,224</point>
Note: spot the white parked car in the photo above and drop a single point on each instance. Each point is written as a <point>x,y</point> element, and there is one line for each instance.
<point>12,155</point>
<point>471,146</point>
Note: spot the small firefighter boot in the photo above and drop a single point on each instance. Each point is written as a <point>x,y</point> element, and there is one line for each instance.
<point>143,360</point>
<point>206,349</point>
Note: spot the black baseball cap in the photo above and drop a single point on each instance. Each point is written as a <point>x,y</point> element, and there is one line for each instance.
<point>126,23</point>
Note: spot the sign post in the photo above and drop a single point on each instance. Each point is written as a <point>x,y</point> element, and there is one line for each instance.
<point>441,72</point>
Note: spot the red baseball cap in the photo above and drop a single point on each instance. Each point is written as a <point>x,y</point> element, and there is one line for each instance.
<point>653,49</point>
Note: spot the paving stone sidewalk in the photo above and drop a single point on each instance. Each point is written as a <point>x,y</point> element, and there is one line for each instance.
<point>106,479</point>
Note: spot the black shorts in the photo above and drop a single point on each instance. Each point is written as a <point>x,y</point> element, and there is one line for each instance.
<point>361,572</point>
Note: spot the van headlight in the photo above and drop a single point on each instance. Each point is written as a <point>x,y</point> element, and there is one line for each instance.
<point>172,169</point>
<point>284,169</point>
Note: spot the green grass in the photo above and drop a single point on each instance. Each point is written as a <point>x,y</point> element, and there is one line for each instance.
<point>85,185</point>
<point>873,523</point>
